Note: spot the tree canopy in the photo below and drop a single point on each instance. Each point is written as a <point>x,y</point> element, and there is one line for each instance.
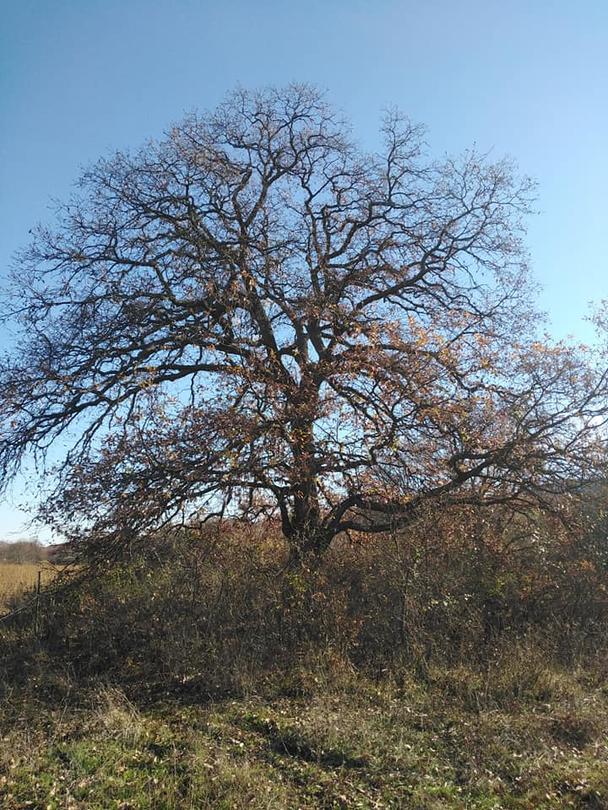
<point>256,317</point>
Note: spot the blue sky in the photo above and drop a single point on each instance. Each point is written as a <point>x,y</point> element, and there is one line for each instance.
<point>527,78</point>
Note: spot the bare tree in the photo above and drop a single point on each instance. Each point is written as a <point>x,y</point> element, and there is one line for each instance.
<point>256,317</point>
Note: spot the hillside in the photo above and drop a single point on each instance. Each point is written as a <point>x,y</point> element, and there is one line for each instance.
<point>193,675</point>
<point>22,551</point>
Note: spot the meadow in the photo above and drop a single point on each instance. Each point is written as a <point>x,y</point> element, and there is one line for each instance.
<point>192,675</point>
<point>16,578</point>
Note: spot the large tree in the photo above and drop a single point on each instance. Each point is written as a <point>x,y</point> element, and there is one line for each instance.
<point>254,317</point>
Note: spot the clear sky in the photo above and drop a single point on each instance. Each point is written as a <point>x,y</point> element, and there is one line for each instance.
<point>527,78</point>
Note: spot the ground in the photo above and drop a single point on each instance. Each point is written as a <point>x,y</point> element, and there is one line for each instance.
<point>518,733</point>
<point>363,745</point>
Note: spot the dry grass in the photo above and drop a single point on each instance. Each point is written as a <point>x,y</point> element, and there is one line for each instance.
<point>356,744</point>
<point>16,578</point>
<point>198,676</point>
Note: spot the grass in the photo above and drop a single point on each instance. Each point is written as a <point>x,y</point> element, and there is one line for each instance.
<point>15,578</point>
<point>193,683</point>
<point>361,745</point>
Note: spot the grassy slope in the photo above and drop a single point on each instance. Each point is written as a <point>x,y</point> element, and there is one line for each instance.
<point>452,741</point>
<point>516,732</point>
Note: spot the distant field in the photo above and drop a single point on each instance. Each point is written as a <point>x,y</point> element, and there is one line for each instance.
<point>18,577</point>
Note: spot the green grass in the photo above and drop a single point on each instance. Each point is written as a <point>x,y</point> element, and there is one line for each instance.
<point>358,744</point>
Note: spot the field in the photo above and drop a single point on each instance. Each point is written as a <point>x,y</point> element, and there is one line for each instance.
<point>164,687</point>
<point>15,578</point>
<point>354,745</point>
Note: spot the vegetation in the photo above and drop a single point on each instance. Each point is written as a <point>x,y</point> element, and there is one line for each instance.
<point>335,508</point>
<point>256,318</point>
<point>194,675</point>
<point>22,551</point>
<point>360,745</point>
<point>14,579</point>
<point>20,564</point>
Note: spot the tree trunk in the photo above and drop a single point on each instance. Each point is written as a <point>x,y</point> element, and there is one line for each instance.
<point>308,538</point>
<point>307,547</point>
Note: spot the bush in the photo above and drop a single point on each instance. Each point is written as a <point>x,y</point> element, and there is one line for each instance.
<point>220,612</point>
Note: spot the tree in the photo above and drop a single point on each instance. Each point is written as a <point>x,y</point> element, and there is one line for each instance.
<point>256,317</point>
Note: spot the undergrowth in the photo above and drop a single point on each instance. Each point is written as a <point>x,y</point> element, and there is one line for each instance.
<point>201,673</point>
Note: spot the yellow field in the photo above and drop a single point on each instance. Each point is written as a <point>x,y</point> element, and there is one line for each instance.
<point>18,577</point>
